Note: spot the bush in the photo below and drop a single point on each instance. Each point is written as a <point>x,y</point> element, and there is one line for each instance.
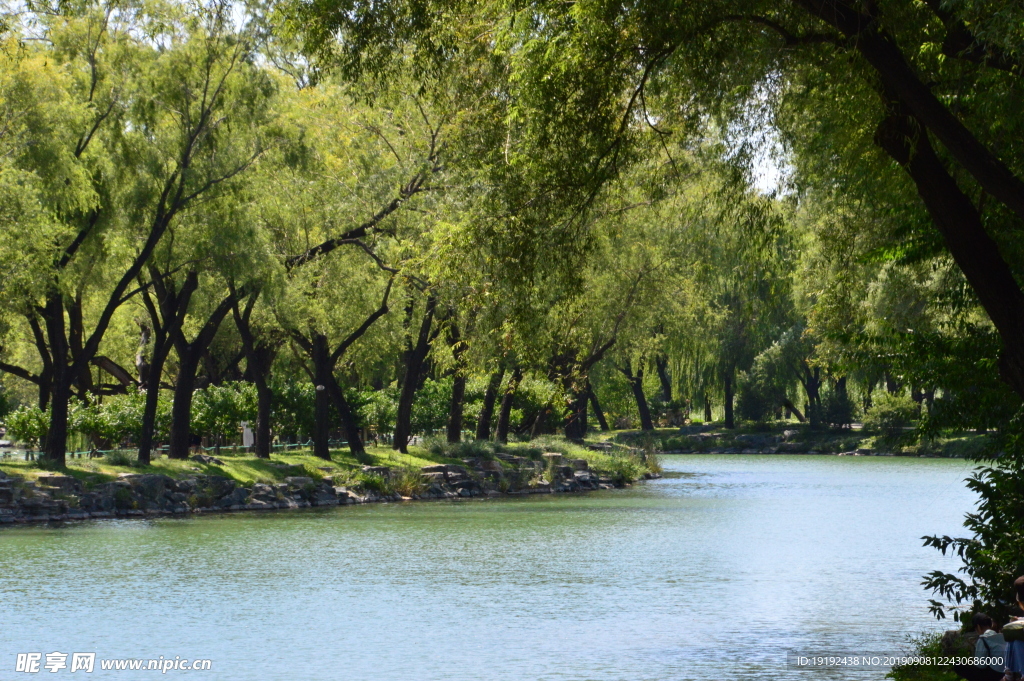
<point>471,449</point>
<point>753,402</point>
<point>217,410</point>
<point>379,408</point>
<point>928,646</point>
<point>404,481</point>
<point>119,457</point>
<point>433,402</point>
<point>889,416</point>
<point>837,409</point>
<point>28,425</point>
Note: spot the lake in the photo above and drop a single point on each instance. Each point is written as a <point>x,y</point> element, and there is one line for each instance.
<point>715,571</point>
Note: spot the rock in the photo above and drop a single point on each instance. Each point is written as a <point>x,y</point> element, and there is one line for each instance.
<point>382,471</point>
<point>216,486</point>
<point>204,458</point>
<point>490,466</point>
<point>552,457</point>
<point>449,473</point>
<point>580,464</point>
<point>185,486</point>
<point>564,471</point>
<point>236,497</point>
<point>298,481</point>
<point>153,486</point>
<point>65,483</point>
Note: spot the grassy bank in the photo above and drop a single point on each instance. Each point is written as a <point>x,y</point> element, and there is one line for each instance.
<point>619,463</point>
<point>796,438</point>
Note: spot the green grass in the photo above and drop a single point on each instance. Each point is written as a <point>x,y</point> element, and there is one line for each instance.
<point>244,468</point>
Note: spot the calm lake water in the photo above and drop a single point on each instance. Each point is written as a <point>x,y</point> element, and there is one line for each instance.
<point>714,571</point>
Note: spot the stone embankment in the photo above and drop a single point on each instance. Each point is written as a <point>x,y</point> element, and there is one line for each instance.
<point>62,497</point>
<point>759,443</point>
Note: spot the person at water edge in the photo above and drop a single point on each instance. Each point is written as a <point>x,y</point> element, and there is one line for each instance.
<point>1014,659</point>
<point>990,645</point>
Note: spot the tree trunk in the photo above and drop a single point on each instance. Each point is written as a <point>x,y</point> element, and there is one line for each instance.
<point>413,367</point>
<point>707,408</point>
<point>55,444</point>
<point>597,408</point>
<point>666,381</point>
<point>576,416</point>
<point>501,432</point>
<point>483,422</point>
<point>542,415</point>
<point>729,420</point>
<point>181,409</point>
<point>321,401</point>
<point>636,384</point>
<point>349,420</point>
<point>974,251</point>
<point>189,356</point>
<point>154,372</point>
<point>264,406</point>
<point>455,406</point>
<point>258,360</point>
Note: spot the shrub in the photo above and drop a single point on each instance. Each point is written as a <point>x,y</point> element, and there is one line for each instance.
<point>375,483</point>
<point>753,401</point>
<point>471,449</point>
<point>119,457</point>
<point>889,416</point>
<point>928,646</point>
<point>28,425</point>
<point>837,409</point>
<point>409,482</point>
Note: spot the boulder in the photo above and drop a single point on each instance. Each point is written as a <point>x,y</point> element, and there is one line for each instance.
<point>552,457</point>
<point>217,486</point>
<point>580,464</point>
<point>564,472</point>
<point>153,486</point>
<point>236,497</point>
<point>298,481</point>
<point>65,483</point>
<point>204,458</point>
<point>382,471</point>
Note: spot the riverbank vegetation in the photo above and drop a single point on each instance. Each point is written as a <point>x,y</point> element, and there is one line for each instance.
<point>359,223</point>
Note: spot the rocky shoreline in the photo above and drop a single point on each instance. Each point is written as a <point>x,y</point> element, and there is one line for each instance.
<point>785,442</point>
<point>63,497</point>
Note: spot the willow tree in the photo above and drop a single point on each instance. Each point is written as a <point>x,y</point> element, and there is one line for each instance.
<point>151,126</point>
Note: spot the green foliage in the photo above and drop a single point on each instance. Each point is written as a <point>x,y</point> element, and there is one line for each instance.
<point>404,481</point>
<point>430,410</point>
<point>928,646</point>
<point>380,408</point>
<point>753,401</point>
<point>218,410</point>
<point>993,552</point>
<point>117,420</point>
<point>837,408</point>
<point>28,425</point>
<point>292,415</point>
<point>890,416</point>
<point>119,457</point>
